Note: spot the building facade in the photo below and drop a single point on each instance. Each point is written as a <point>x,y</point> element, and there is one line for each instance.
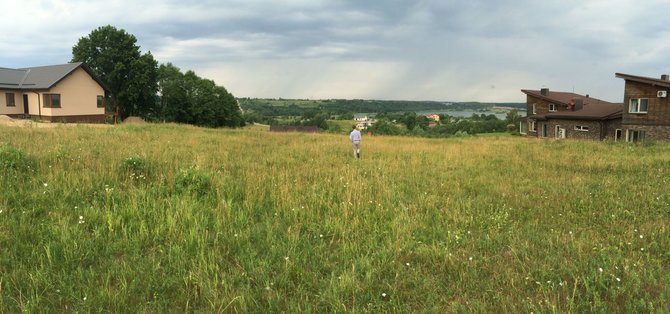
<point>61,93</point>
<point>646,112</point>
<point>560,115</point>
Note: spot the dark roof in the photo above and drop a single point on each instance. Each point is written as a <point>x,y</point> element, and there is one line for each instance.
<point>593,108</point>
<point>643,79</point>
<point>11,78</point>
<point>562,98</point>
<point>40,78</point>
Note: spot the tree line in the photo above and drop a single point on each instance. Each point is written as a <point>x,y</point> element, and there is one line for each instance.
<point>138,86</point>
<point>339,107</point>
<point>410,123</point>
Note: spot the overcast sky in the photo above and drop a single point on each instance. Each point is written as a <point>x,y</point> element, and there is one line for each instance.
<point>469,50</point>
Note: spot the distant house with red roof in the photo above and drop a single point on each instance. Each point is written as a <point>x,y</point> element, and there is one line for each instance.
<point>568,115</point>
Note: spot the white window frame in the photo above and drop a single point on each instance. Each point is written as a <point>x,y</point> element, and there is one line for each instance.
<point>559,132</point>
<point>532,126</point>
<point>534,109</point>
<point>635,105</point>
<point>553,107</point>
<point>641,134</point>
<point>581,128</point>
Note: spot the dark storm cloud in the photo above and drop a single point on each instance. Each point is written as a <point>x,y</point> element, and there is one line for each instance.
<point>423,49</point>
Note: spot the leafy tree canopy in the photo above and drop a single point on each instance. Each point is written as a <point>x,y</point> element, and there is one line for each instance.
<point>113,55</point>
<point>188,98</point>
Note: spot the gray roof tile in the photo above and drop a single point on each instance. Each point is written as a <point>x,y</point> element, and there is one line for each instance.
<point>43,77</point>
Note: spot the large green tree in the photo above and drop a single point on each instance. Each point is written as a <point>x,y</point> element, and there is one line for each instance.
<point>115,57</point>
<point>188,98</point>
<point>174,105</point>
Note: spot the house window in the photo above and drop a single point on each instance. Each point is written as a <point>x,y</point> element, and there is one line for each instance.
<point>582,128</point>
<point>534,109</point>
<point>101,101</point>
<point>51,101</point>
<point>617,134</point>
<point>9,97</point>
<point>638,105</point>
<point>635,135</point>
<point>553,108</point>
<point>545,130</point>
<point>531,126</point>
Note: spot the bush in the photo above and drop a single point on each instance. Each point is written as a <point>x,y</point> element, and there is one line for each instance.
<point>137,167</point>
<point>15,161</point>
<point>194,181</point>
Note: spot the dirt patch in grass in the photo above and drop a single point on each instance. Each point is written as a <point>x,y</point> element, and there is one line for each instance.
<point>134,120</point>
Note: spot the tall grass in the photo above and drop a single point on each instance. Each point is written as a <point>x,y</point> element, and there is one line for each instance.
<point>165,218</point>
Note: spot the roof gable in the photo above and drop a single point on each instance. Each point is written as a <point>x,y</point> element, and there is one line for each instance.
<point>43,77</point>
<point>563,98</point>
<point>643,79</point>
<point>46,77</point>
<point>592,109</point>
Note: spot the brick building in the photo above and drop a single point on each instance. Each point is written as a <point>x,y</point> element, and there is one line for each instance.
<point>569,115</point>
<point>647,111</point>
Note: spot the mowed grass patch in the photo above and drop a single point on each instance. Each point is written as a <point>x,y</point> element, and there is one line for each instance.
<point>163,218</point>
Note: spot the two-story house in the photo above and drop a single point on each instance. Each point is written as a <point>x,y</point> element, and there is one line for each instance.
<point>646,113</point>
<point>569,115</point>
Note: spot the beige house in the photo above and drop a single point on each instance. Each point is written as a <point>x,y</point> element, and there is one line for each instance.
<point>60,93</point>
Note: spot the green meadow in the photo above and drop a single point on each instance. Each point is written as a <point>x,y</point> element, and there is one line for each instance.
<point>169,218</point>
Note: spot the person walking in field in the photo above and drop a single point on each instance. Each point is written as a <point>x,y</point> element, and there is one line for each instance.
<point>355,137</point>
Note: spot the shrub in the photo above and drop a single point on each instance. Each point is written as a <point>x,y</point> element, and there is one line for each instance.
<point>194,181</point>
<point>137,167</point>
<point>15,160</point>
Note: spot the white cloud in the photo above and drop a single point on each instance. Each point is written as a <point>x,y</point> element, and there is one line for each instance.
<point>305,78</point>
<point>429,49</point>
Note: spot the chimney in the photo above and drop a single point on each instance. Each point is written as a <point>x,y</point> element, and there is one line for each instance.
<point>579,104</point>
<point>665,77</point>
<point>544,91</point>
<point>587,96</point>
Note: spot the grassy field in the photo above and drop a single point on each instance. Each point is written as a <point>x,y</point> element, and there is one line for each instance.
<point>165,218</point>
